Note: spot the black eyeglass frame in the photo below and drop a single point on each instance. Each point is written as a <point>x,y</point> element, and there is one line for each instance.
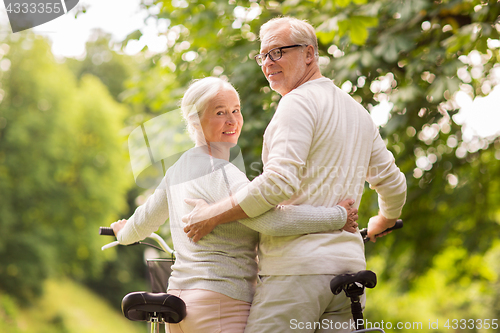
<point>262,56</point>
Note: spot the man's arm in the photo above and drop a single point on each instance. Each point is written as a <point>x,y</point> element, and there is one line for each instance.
<point>204,218</point>
<point>389,183</point>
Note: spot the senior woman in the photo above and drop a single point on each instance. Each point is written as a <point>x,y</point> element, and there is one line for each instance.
<point>216,276</point>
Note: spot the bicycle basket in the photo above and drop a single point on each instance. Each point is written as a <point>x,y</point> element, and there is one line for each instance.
<point>159,273</point>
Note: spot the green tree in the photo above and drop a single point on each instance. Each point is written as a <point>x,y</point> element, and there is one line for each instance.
<point>123,272</point>
<point>62,167</point>
<point>102,61</point>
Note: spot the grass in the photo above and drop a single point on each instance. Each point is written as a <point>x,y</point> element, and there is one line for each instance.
<point>66,307</point>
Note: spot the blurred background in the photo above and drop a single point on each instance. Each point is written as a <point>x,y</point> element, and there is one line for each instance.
<point>73,89</point>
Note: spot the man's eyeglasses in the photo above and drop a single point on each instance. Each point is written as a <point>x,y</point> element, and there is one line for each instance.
<point>275,54</point>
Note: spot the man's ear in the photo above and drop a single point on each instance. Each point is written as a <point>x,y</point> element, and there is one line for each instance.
<point>309,54</point>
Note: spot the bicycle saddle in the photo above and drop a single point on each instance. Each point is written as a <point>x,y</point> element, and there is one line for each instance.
<point>140,306</point>
<point>367,278</point>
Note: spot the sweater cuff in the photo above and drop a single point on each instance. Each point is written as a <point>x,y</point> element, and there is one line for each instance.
<point>128,233</point>
<point>393,214</point>
<point>339,219</point>
<point>386,206</point>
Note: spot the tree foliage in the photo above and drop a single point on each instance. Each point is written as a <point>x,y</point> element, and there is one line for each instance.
<point>102,61</point>
<point>62,167</point>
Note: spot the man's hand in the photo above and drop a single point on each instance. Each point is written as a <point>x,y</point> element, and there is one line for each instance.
<point>117,226</point>
<point>352,215</point>
<point>377,225</point>
<point>196,228</point>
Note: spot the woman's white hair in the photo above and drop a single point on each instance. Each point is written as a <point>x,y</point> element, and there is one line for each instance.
<point>196,99</point>
<point>301,31</point>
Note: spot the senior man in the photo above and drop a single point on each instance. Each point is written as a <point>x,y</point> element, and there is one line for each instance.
<point>319,148</point>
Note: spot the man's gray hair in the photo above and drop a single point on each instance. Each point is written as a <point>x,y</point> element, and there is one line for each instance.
<point>196,99</point>
<point>301,31</point>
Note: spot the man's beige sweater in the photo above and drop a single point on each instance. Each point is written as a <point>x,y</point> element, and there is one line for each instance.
<point>319,148</point>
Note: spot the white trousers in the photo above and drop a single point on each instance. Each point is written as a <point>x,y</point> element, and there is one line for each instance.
<point>299,303</point>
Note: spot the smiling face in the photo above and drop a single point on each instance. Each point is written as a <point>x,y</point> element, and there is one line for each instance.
<point>291,70</point>
<point>222,119</point>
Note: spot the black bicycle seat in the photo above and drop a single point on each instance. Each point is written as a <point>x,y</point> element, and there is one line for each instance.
<point>138,306</point>
<point>366,278</point>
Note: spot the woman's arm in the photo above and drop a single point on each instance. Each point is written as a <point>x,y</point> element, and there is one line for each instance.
<point>286,220</point>
<point>280,221</point>
<point>146,219</point>
<point>291,220</point>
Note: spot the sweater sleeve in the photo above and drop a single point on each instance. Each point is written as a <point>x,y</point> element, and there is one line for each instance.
<point>386,179</point>
<point>147,218</point>
<point>285,220</point>
<point>292,220</point>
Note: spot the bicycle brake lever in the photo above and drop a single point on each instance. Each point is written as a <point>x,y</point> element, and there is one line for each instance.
<point>364,231</point>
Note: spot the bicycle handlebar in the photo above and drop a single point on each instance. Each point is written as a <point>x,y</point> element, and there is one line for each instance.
<point>364,231</point>
<point>106,231</point>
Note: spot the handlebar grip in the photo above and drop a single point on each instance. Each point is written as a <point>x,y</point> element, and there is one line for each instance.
<point>106,231</point>
<point>398,225</point>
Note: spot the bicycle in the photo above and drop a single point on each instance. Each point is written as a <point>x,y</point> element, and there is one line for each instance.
<point>354,286</point>
<point>158,307</point>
